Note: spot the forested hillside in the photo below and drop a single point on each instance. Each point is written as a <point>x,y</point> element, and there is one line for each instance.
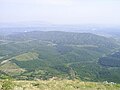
<point>44,55</point>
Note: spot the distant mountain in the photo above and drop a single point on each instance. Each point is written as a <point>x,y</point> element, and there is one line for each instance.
<point>107,31</point>
<point>66,38</point>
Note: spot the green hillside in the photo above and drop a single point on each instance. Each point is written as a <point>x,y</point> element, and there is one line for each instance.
<point>27,56</point>
<point>43,55</point>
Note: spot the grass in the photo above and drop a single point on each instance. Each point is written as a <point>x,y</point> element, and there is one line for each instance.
<point>11,68</point>
<point>27,56</point>
<point>61,85</point>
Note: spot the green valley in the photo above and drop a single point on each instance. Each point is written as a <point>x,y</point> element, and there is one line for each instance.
<point>66,55</point>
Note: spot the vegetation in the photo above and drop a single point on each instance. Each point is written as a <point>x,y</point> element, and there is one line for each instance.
<point>27,56</point>
<point>111,60</point>
<point>43,55</point>
<point>58,85</point>
<point>7,85</point>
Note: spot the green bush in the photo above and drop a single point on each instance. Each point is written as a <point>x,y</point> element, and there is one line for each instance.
<point>7,85</point>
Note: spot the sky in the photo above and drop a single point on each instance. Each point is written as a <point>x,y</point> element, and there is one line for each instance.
<point>61,11</point>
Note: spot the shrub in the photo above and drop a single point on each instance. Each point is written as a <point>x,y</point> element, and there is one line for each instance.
<point>7,85</point>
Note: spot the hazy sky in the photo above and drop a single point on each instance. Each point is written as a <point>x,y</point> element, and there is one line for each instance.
<point>61,11</point>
